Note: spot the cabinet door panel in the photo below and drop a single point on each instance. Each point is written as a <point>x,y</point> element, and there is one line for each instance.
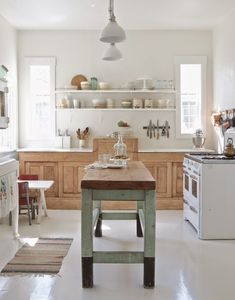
<point>163,178</point>
<point>33,168</point>
<point>71,174</point>
<point>45,171</point>
<point>177,179</point>
<point>70,180</point>
<point>161,171</point>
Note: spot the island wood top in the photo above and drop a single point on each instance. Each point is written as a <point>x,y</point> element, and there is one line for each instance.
<point>134,177</point>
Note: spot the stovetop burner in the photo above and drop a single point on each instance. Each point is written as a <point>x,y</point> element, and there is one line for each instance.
<point>210,157</point>
<point>217,157</point>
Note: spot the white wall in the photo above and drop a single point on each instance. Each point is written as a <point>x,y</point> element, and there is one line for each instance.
<point>145,53</point>
<point>224,64</point>
<point>8,58</point>
<point>224,69</point>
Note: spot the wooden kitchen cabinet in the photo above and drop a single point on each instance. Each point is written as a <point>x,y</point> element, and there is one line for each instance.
<point>65,168</point>
<point>161,171</point>
<point>70,176</point>
<point>166,168</point>
<point>105,145</point>
<point>45,171</point>
<point>177,179</point>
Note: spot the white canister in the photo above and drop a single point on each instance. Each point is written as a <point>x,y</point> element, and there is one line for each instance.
<point>81,143</point>
<point>68,103</point>
<point>161,103</point>
<point>75,103</point>
<point>109,102</point>
<point>66,140</point>
<point>137,103</point>
<point>62,103</point>
<point>58,142</point>
<point>148,103</point>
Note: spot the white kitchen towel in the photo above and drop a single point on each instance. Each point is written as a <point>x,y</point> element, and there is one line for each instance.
<point>8,193</point>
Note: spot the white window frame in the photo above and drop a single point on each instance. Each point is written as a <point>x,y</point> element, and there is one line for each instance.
<point>51,61</point>
<point>202,60</point>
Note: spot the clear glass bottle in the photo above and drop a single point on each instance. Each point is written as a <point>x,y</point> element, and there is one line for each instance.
<point>120,148</point>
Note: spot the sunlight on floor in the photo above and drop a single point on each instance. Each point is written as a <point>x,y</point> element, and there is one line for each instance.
<point>30,241</point>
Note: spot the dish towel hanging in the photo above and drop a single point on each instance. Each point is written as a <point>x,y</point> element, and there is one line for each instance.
<point>8,193</point>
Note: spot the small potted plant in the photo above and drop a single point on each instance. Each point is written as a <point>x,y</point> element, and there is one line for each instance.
<point>124,128</point>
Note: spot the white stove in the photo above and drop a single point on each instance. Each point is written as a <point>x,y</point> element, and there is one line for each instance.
<point>209,203</point>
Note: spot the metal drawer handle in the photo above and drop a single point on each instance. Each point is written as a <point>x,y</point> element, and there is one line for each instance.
<point>185,201</point>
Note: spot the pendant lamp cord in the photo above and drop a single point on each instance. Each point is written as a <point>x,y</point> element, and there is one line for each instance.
<point>111,13</point>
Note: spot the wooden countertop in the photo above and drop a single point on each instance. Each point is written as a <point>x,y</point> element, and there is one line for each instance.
<point>134,177</point>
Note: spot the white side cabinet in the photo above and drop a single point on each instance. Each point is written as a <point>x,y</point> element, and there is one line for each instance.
<point>9,202</point>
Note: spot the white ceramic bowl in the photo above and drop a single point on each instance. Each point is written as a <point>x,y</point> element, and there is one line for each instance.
<point>99,103</point>
<point>126,104</point>
<point>85,85</point>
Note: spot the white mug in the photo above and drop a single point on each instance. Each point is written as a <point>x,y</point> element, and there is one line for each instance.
<point>148,103</point>
<point>75,103</point>
<point>137,103</point>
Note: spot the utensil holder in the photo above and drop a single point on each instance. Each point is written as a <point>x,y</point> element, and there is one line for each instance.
<point>81,143</point>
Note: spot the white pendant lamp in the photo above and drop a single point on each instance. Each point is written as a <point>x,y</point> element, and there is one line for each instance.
<point>112,53</point>
<point>112,33</point>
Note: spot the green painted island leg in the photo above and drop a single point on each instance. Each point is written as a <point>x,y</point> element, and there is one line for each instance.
<point>87,238</point>
<point>149,239</point>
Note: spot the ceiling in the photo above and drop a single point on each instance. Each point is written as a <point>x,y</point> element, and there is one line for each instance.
<point>130,14</point>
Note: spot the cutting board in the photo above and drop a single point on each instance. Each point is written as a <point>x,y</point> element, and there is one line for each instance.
<point>76,80</point>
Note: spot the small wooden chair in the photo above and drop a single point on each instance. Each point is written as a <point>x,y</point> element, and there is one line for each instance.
<point>27,200</point>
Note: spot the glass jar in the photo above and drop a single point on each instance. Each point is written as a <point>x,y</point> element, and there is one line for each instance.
<point>94,83</point>
<point>120,148</point>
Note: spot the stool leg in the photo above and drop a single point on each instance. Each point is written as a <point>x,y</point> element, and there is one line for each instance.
<point>149,239</point>
<point>87,239</point>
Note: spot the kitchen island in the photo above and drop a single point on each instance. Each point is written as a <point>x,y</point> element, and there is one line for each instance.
<point>134,183</point>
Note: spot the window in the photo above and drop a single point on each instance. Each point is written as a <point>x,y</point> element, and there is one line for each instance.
<point>40,74</point>
<point>191,91</point>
